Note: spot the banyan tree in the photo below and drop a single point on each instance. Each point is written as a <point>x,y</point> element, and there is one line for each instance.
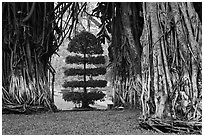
<point>28,43</point>
<point>171,66</point>
<point>122,26</point>
<point>31,34</point>
<point>155,56</point>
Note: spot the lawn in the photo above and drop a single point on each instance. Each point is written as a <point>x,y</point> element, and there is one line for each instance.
<point>74,123</point>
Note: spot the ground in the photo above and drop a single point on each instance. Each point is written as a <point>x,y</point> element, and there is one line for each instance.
<point>68,122</point>
<point>74,123</point>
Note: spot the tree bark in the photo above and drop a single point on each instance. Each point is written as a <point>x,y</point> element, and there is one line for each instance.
<point>27,84</point>
<point>128,54</point>
<point>170,60</point>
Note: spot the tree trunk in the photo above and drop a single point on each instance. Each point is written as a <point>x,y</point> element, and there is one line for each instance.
<point>170,61</point>
<point>26,82</point>
<point>84,101</point>
<point>126,54</point>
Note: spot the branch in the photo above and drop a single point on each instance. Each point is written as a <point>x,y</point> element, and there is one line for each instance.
<point>30,13</point>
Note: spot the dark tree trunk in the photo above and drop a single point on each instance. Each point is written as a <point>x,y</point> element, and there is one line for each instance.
<point>27,47</point>
<point>125,54</point>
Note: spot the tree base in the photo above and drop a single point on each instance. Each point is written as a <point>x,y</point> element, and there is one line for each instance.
<point>172,126</point>
<point>84,108</point>
<point>26,109</point>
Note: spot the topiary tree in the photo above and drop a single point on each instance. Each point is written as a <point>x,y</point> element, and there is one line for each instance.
<point>86,44</point>
<point>77,97</point>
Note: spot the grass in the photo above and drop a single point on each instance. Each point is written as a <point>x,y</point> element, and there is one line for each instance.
<point>74,123</point>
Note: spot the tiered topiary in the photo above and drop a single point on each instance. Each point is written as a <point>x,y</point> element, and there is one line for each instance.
<point>86,44</point>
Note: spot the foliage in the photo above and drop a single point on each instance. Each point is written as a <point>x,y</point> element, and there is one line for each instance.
<point>89,83</point>
<point>105,12</point>
<point>89,71</point>
<point>85,43</point>
<point>90,60</point>
<point>77,97</point>
<point>82,40</point>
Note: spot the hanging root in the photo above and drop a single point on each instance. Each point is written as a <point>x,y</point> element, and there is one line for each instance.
<point>172,126</point>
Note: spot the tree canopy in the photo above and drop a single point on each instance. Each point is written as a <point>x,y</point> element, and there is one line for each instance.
<point>85,43</point>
